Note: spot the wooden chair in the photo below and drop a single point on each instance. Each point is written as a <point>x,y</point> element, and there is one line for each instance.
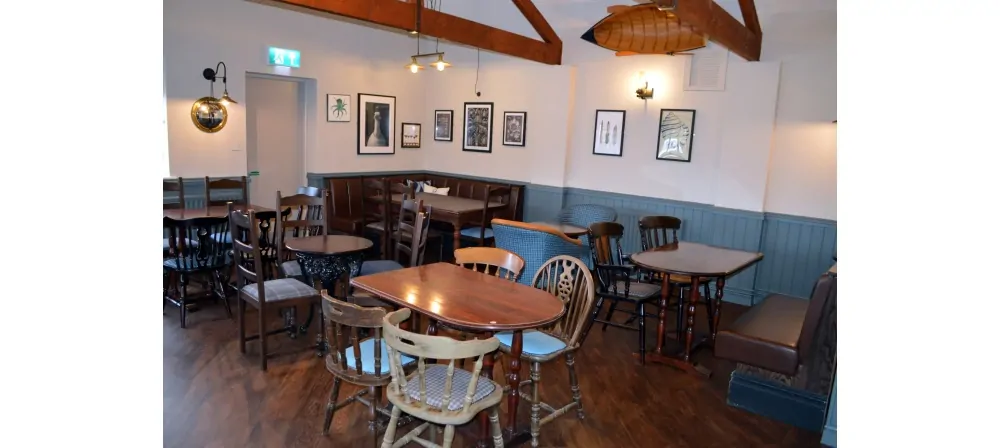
<point>411,240</point>
<point>482,233</point>
<point>490,260</point>
<point>534,243</point>
<point>616,282</point>
<point>257,292</point>
<point>173,186</point>
<point>362,362</point>
<point>375,203</point>
<point>436,393</point>
<point>307,218</point>
<point>226,184</point>
<point>201,251</point>
<point>568,279</point>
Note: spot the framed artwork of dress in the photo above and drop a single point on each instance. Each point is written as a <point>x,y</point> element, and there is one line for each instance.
<point>609,132</point>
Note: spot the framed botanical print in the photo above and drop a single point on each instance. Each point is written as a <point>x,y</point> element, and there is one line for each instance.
<point>376,124</point>
<point>338,107</point>
<point>411,135</point>
<point>443,125</point>
<point>609,132</point>
<point>477,134</point>
<point>514,128</point>
<point>676,134</point>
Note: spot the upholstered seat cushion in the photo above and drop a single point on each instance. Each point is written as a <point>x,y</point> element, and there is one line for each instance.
<point>281,289</point>
<point>367,347</point>
<point>226,238</point>
<point>376,266</point>
<point>435,377</point>
<point>638,290</point>
<point>534,342</point>
<point>291,268</point>
<point>767,335</point>
<point>473,232</point>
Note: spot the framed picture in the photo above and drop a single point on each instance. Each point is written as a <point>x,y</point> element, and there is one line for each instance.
<point>513,128</point>
<point>478,132</point>
<point>676,135</point>
<point>411,135</point>
<point>376,124</point>
<point>443,125</point>
<point>609,132</point>
<point>338,107</point>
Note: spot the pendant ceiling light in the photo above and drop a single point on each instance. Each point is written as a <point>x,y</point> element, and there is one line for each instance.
<point>413,65</point>
<point>440,64</point>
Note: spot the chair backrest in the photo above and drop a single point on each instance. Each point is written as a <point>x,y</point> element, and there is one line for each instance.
<point>439,348</point>
<point>656,231</point>
<point>310,191</point>
<point>608,260</point>
<point>173,186</point>
<point>583,215</point>
<point>246,250</point>
<point>203,245</point>
<point>345,320</point>
<point>413,227</point>
<point>567,278</point>
<point>535,244</point>
<point>375,200</point>
<point>226,184</point>
<point>822,300</point>
<point>307,217</point>
<point>491,261</point>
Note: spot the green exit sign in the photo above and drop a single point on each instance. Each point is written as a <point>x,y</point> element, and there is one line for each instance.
<point>283,57</point>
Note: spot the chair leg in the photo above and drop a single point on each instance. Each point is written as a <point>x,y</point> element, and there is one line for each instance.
<point>642,333</point>
<point>449,436</point>
<point>495,427</point>
<point>183,300</point>
<point>593,317</point>
<point>263,337</point>
<point>331,406</point>
<point>390,431</point>
<point>611,311</point>
<point>374,393</point>
<point>536,407</point>
<point>710,306</point>
<point>241,311</point>
<point>221,292</point>
<point>574,386</point>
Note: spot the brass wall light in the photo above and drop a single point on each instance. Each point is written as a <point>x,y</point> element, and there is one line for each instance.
<point>208,113</point>
<point>644,92</point>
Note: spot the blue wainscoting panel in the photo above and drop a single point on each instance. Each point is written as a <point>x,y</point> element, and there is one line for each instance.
<point>542,202</point>
<point>796,250</point>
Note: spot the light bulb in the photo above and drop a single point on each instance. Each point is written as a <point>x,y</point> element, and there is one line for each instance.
<point>224,102</point>
<point>440,65</point>
<point>413,68</point>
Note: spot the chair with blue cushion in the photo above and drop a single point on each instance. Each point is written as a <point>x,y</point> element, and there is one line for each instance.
<point>362,362</point>
<point>200,251</point>
<point>535,244</point>
<point>481,232</point>
<point>568,279</point>
<point>410,238</point>
<point>583,215</point>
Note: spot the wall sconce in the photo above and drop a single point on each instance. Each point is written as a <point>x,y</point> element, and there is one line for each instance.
<point>208,113</point>
<point>213,75</point>
<point>644,92</point>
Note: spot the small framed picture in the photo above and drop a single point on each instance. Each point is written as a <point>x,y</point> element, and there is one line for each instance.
<point>676,135</point>
<point>443,124</point>
<point>338,108</point>
<point>514,128</point>
<point>376,124</point>
<point>609,132</point>
<point>478,132</point>
<point>411,135</point>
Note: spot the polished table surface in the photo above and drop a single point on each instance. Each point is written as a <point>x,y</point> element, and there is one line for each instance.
<point>450,204</point>
<point>215,211</point>
<point>328,244</point>
<point>569,229</point>
<point>695,259</point>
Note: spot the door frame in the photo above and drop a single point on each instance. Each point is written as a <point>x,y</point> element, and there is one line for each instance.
<point>309,103</point>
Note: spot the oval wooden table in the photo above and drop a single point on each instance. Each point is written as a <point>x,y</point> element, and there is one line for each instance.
<point>471,301</point>
<point>697,261</point>
<point>215,211</point>
<point>568,229</point>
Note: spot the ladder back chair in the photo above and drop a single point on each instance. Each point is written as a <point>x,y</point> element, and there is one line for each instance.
<point>375,204</point>
<point>568,279</point>
<point>482,232</point>
<point>173,186</point>
<point>436,393</point>
<point>307,217</point>
<point>226,184</point>
<point>411,241</point>
<point>616,282</point>
<point>257,292</point>
<point>201,251</point>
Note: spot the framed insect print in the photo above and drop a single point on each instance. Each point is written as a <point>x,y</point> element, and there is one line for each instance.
<point>411,135</point>
<point>376,124</point>
<point>609,132</point>
<point>676,135</point>
<point>477,135</point>
<point>338,108</point>
<point>443,125</point>
<point>514,128</point>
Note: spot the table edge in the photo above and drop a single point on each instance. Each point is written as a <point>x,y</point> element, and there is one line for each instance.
<point>758,256</point>
<point>346,252</point>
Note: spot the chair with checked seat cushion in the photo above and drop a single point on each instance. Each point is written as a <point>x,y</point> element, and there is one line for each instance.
<point>410,238</point>
<point>568,279</point>
<point>306,217</point>
<point>425,394</point>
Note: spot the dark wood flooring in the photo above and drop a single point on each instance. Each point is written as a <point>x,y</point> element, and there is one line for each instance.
<point>213,396</point>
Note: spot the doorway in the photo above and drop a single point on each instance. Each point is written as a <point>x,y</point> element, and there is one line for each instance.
<point>276,128</point>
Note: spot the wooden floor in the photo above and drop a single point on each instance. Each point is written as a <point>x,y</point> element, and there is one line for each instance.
<point>215,397</point>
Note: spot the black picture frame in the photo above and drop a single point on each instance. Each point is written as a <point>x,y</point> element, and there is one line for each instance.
<point>488,126</point>
<point>451,125</point>
<point>387,127</point>
<point>524,128</point>
<point>402,136</point>
<point>680,124</point>
<point>610,121</point>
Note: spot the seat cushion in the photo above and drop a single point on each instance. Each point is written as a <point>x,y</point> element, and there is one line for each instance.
<point>638,290</point>
<point>281,289</point>
<point>367,347</point>
<point>473,232</point>
<point>291,268</point>
<point>534,342</point>
<point>376,266</point>
<point>767,335</point>
<point>435,376</point>
<point>166,243</point>
<point>227,237</point>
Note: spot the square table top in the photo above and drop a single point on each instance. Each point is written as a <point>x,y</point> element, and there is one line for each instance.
<point>696,260</point>
<point>450,204</point>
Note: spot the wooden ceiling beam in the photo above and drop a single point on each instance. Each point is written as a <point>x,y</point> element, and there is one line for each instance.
<point>402,15</point>
<point>721,27</point>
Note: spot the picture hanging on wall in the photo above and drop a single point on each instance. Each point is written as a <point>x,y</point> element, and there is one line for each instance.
<point>478,130</point>
<point>376,124</point>
<point>411,135</point>
<point>338,108</point>
<point>443,125</point>
<point>609,132</point>
<point>514,128</point>
<point>676,135</point>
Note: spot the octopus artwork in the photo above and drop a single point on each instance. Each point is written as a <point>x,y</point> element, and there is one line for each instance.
<point>339,108</point>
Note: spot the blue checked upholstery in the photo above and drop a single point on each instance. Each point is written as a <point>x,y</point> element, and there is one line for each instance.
<point>583,215</point>
<point>291,269</point>
<point>370,267</point>
<point>435,377</point>
<point>534,246</point>
<point>280,289</point>
<point>534,342</point>
<point>367,347</point>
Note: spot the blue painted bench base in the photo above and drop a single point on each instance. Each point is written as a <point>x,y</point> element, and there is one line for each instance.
<point>776,401</point>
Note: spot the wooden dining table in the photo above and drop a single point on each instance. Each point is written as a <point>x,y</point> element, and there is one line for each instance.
<point>699,262</point>
<point>474,302</point>
<point>453,210</point>
<point>215,211</point>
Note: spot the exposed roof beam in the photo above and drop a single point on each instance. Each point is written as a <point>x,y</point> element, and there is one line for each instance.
<point>719,25</point>
<point>402,15</point>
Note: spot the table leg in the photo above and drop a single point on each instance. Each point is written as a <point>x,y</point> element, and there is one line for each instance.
<point>514,380</point>
<point>720,284</point>
<point>457,237</point>
<point>689,325</point>
<point>661,327</point>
